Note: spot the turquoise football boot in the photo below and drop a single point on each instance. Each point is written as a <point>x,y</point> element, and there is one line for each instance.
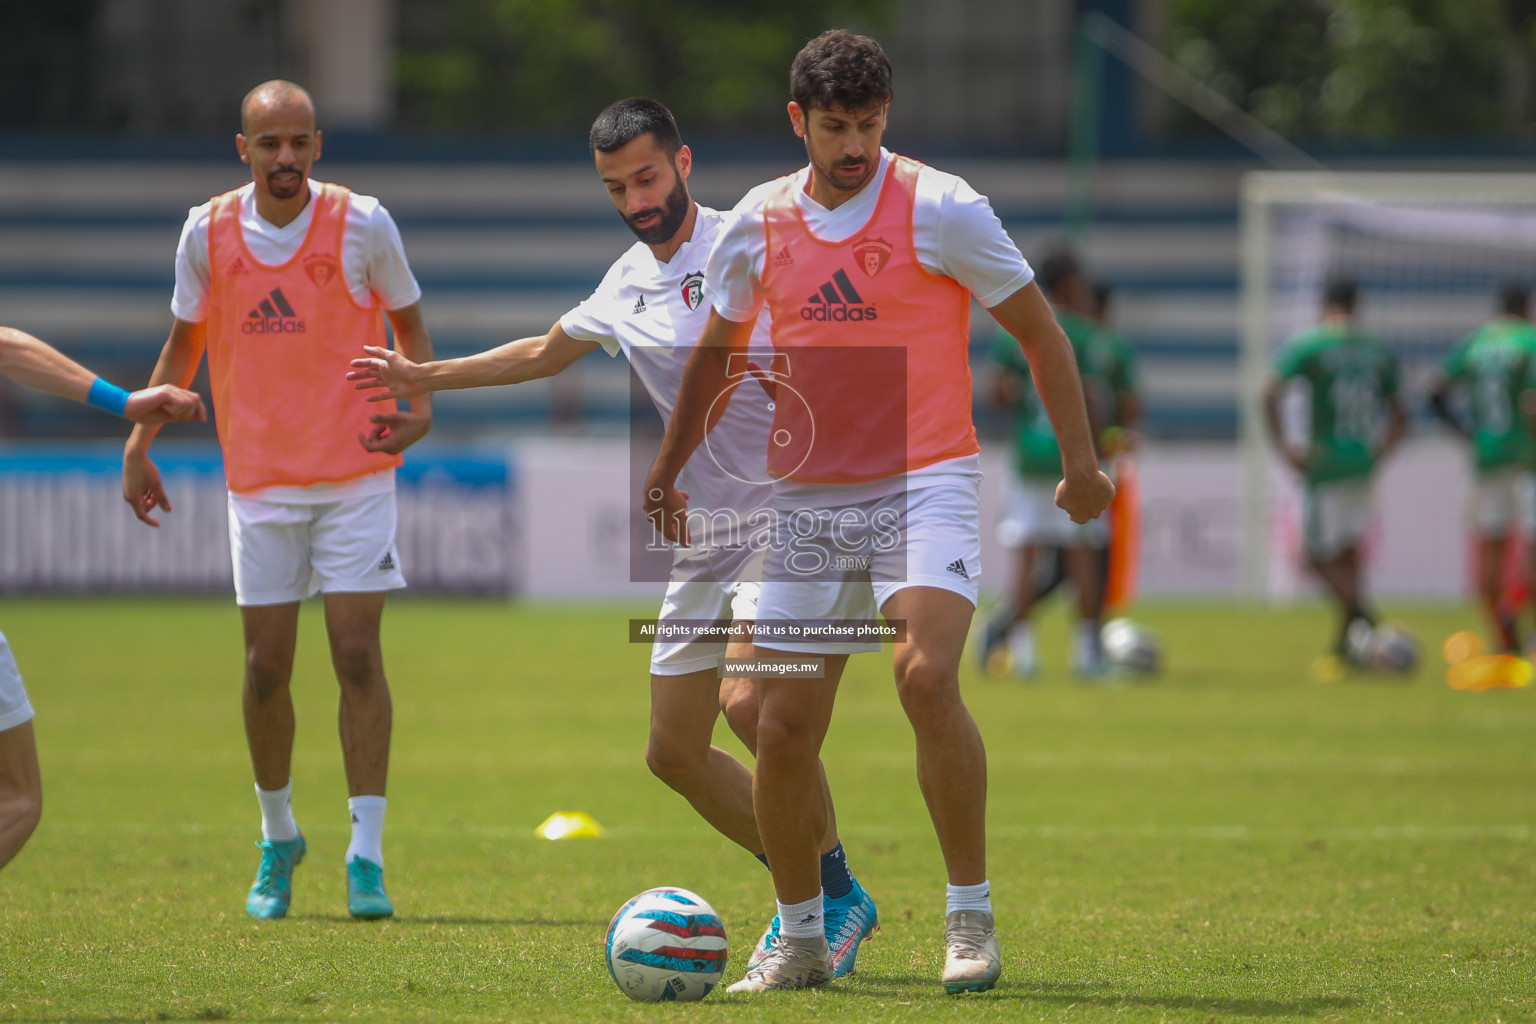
<point>273,889</point>
<point>365,891</point>
<point>850,919</point>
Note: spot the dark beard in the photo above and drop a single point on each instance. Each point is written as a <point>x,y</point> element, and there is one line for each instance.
<point>673,212</point>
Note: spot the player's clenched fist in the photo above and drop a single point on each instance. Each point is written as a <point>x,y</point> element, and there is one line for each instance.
<point>387,371</point>
<point>1084,497</point>
<point>164,403</point>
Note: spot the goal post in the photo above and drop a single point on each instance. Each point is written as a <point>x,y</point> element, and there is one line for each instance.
<point>1429,252</point>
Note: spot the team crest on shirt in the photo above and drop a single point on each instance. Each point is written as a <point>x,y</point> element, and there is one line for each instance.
<point>693,289</point>
<point>873,254</point>
<point>320,267</point>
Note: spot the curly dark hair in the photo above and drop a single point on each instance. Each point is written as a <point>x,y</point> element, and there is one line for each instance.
<point>839,69</point>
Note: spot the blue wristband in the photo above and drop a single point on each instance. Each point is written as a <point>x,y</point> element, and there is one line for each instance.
<point>108,396</point>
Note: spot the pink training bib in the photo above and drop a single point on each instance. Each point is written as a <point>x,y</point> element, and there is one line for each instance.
<point>878,347</point>
<point>280,342</point>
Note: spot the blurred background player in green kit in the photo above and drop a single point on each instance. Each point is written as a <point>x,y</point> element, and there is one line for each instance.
<point>1479,392</point>
<point>1355,418</point>
<point>1030,521</point>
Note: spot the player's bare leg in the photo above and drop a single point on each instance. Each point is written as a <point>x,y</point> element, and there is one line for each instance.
<point>680,753</point>
<point>270,634</point>
<point>952,772</point>
<point>21,790</point>
<point>1341,574</point>
<point>951,760</point>
<point>365,717</point>
<point>1085,570</point>
<point>787,796</point>
<point>1491,553</point>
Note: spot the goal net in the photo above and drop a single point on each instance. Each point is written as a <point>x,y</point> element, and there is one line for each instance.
<point>1429,253</point>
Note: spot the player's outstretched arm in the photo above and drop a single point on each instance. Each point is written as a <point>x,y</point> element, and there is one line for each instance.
<point>704,378</point>
<point>391,375</point>
<point>176,367</point>
<point>396,431</point>
<point>1084,491</point>
<point>36,364</point>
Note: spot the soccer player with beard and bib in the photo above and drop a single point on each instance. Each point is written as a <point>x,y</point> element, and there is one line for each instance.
<point>867,262</point>
<point>36,364</point>
<point>283,281</point>
<point>651,307</point>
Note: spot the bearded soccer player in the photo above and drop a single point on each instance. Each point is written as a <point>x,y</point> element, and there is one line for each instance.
<point>36,364</point>
<point>1491,369</point>
<point>650,306</point>
<point>283,281</point>
<point>867,263</point>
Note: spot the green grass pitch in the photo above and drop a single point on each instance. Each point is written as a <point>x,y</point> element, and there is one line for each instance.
<point>1231,843</point>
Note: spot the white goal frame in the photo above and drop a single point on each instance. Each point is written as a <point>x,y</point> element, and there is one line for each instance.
<point>1261,193</point>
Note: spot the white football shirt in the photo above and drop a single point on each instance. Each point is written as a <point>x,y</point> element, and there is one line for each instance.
<point>654,313</point>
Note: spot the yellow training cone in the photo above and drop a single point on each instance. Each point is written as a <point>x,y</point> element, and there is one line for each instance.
<point>570,825</point>
<point>1489,672</point>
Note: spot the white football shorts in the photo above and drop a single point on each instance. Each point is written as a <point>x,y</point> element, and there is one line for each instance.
<point>15,709</point>
<point>705,588</point>
<point>1031,517</point>
<point>1503,501</point>
<point>1338,513</point>
<point>284,552</point>
<point>940,546</point>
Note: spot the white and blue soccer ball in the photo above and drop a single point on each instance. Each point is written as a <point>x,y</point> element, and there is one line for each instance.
<point>666,944</point>
<point>1131,648</point>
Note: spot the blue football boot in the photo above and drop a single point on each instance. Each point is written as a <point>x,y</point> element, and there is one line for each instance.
<point>273,889</point>
<point>365,890</point>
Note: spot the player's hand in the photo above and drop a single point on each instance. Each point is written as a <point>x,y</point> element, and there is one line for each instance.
<point>387,371</point>
<point>1084,497</point>
<point>142,489</point>
<point>394,432</point>
<point>667,509</point>
<point>165,404</point>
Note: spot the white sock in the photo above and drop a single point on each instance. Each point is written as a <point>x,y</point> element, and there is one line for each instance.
<point>972,898</point>
<point>1088,641</point>
<point>802,920</point>
<point>277,813</point>
<point>1021,644</point>
<point>367,829</point>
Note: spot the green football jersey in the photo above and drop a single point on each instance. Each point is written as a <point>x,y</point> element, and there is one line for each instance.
<point>1494,365</point>
<point>1118,368</point>
<point>1036,453</point>
<point>1350,376</point>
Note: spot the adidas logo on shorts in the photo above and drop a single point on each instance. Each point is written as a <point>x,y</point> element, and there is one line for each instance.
<point>387,563</point>
<point>958,568</point>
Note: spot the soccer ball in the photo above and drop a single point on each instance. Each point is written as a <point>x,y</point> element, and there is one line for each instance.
<point>666,944</point>
<point>1131,648</point>
<point>1393,648</point>
<point>1386,648</point>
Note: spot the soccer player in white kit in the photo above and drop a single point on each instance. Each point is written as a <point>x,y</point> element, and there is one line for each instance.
<point>650,306</point>
<point>36,364</point>
<point>872,259</point>
<point>311,473</point>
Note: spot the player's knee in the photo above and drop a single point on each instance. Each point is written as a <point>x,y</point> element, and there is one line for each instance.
<point>21,808</point>
<point>671,760</point>
<point>739,705</point>
<point>266,674</point>
<point>783,733</point>
<point>925,685</point>
<point>357,660</point>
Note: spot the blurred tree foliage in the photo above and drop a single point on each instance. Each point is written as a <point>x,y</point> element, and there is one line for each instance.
<point>1363,69</point>
<point>551,65</point>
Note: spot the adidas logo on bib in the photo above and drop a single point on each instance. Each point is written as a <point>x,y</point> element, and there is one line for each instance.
<point>838,300</point>
<point>273,315</point>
